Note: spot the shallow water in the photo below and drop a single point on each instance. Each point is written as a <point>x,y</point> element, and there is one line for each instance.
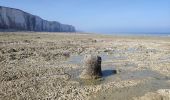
<point>127,93</point>
<point>108,68</point>
<point>157,81</point>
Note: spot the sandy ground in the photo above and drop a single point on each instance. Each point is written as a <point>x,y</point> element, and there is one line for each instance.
<point>48,65</point>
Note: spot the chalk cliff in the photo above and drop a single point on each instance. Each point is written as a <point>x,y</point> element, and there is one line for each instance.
<point>15,19</point>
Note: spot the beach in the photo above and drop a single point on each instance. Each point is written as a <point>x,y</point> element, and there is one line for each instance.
<point>35,65</point>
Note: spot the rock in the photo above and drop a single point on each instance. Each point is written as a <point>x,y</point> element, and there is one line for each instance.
<point>92,64</point>
<point>12,50</point>
<point>114,71</point>
<point>15,19</point>
<point>66,54</point>
<point>164,92</point>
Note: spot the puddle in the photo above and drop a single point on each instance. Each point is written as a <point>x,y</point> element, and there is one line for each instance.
<point>75,59</point>
<point>127,93</point>
<point>78,59</point>
<point>157,81</point>
<point>165,59</point>
<point>107,71</point>
<point>141,74</point>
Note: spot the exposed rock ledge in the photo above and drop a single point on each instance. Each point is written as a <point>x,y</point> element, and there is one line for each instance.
<point>15,19</point>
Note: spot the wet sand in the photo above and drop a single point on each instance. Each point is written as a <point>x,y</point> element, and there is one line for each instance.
<point>48,65</point>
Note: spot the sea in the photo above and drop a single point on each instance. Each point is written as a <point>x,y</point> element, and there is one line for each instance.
<point>140,34</point>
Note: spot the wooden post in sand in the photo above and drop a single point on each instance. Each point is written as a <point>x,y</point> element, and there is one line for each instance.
<point>92,64</point>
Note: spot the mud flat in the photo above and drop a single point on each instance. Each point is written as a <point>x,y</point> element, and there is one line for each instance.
<point>48,65</point>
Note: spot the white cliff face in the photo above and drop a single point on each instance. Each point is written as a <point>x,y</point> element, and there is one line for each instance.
<point>4,17</point>
<point>19,20</point>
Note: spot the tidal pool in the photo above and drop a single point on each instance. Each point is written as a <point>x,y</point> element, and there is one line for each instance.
<point>155,80</point>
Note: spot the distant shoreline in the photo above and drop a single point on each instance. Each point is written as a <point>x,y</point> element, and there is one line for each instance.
<point>89,33</point>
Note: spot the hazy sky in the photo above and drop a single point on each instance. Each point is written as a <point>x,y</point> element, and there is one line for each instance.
<point>101,15</point>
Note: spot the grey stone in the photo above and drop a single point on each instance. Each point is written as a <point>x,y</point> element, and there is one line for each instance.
<point>92,65</point>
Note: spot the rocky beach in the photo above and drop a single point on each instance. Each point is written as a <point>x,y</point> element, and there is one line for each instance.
<point>36,65</point>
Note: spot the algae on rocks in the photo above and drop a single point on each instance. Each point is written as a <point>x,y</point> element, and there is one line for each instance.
<point>92,64</point>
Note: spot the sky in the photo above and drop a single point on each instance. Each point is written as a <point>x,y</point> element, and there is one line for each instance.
<point>101,16</point>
